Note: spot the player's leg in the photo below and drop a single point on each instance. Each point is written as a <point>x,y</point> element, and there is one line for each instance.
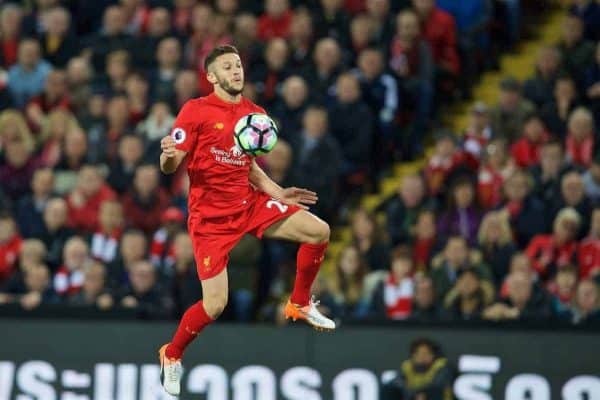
<point>313,235</point>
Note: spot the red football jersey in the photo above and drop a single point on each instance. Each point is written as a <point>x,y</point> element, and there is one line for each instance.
<point>217,167</point>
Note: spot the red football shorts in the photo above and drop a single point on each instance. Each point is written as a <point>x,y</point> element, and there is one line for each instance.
<point>214,238</point>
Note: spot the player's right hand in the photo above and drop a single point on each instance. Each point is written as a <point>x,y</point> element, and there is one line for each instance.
<point>167,145</point>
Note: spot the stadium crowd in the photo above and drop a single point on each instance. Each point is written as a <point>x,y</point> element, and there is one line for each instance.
<point>503,223</point>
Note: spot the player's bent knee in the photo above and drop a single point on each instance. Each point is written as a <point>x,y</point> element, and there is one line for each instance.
<point>320,233</point>
<point>214,305</point>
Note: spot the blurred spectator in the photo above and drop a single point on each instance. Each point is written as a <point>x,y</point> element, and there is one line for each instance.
<point>10,245</point>
<point>577,52</point>
<point>186,289</point>
<point>145,201</point>
<point>439,29</point>
<point>580,143</point>
<point>589,12</point>
<point>58,42</point>
<point>555,112</point>
<point>10,31</point>
<point>105,241</point>
<point>526,150</point>
<point>523,303</point>
<point>85,199</point>
<point>424,307</point>
<point>354,132</point>
<point>361,34</point>
<point>13,127</point>
<point>548,253</point>
<point>56,125</point>
<point>424,239</point>
<point>144,294</point>
<point>322,73</point>
<point>136,88</point>
<point>186,88</point>
<point>462,217</point>
<point>301,37</point>
<point>539,88</point>
<point>381,20</point>
<point>289,109</point>
<point>245,37</point>
<point>368,238</point>
<point>136,16</point>
<point>122,170</point>
<point>276,20</point>
<point>18,167</point>
<point>68,279</point>
<point>496,244</point>
<point>547,175</point>
<point>112,36</point>
<point>53,97</point>
<point>411,60</point>
<point>117,125</point>
<point>132,248</point>
<point>586,307</point>
<point>162,248</point>
<point>591,181</point>
<point>509,115</point>
<point>30,208</point>
<point>118,66</point>
<point>158,123</point>
<point>32,253</point>
<point>26,78</point>
<point>317,160</point>
<point>278,162</point>
<point>55,231</point>
<point>588,254</point>
<point>93,121</point>
<point>73,151</point>
<point>268,76</point>
<point>572,194</point>
<point>402,209</point>
<point>162,79</point>
<point>379,91</point>
<point>332,20</point>
<point>495,168</point>
<point>425,375</point>
<point>447,159</point>
<point>526,212</point>
<point>563,286</point>
<point>158,28</point>
<point>347,285</point>
<point>479,132</point>
<point>37,289</point>
<point>79,79</point>
<point>469,296</point>
<point>592,85</point>
<point>446,266</point>
<point>93,291</point>
<point>394,296</point>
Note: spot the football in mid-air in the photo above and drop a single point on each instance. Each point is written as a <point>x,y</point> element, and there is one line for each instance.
<point>255,134</point>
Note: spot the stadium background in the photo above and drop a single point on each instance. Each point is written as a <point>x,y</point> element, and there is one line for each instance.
<point>455,155</point>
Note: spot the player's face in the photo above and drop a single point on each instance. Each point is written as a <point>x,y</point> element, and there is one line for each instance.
<point>229,73</point>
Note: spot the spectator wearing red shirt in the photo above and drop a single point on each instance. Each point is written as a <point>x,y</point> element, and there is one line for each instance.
<point>136,87</point>
<point>550,252</point>
<point>439,29</point>
<point>496,167</point>
<point>446,159</point>
<point>10,245</point>
<point>588,256</point>
<point>68,280</point>
<point>580,138</point>
<point>424,239</point>
<point>564,285</point>
<point>394,296</point>
<point>104,243</point>
<point>10,28</point>
<point>526,150</point>
<point>84,202</point>
<point>479,132</point>
<point>276,20</point>
<point>161,249</point>
<point>146,200</point>
<point>54,97</point>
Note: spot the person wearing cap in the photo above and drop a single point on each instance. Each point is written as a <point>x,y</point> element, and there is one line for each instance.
<point>508,116</point>
<point>161,250</point>
<point>479,132</point>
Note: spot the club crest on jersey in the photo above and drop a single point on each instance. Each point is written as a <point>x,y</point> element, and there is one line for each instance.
<point>178,135</point>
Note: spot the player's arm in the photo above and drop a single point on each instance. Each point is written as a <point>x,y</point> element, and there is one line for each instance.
<point>292,195</point>
<point>171,157</point>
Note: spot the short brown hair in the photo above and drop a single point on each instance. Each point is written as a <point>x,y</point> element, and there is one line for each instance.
<point>218,51</point>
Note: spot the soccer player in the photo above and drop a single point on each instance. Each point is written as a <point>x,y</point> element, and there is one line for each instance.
<point>230,196</point>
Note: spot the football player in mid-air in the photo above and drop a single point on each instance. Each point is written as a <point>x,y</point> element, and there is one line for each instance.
<point>231,196</point>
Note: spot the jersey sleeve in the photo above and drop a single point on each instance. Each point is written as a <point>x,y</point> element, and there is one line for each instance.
<point>185,128</point>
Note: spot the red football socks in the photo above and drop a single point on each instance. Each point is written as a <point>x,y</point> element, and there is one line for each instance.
<point>308,262</point>
<point>192,323</point>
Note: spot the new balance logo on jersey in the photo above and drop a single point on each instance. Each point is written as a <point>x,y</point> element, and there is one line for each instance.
<point>219,125</point>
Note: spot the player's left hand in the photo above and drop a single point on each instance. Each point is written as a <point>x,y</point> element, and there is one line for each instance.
<point>299,197</point>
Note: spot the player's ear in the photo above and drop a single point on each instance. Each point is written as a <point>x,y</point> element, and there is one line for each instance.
<point>211,77</point>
